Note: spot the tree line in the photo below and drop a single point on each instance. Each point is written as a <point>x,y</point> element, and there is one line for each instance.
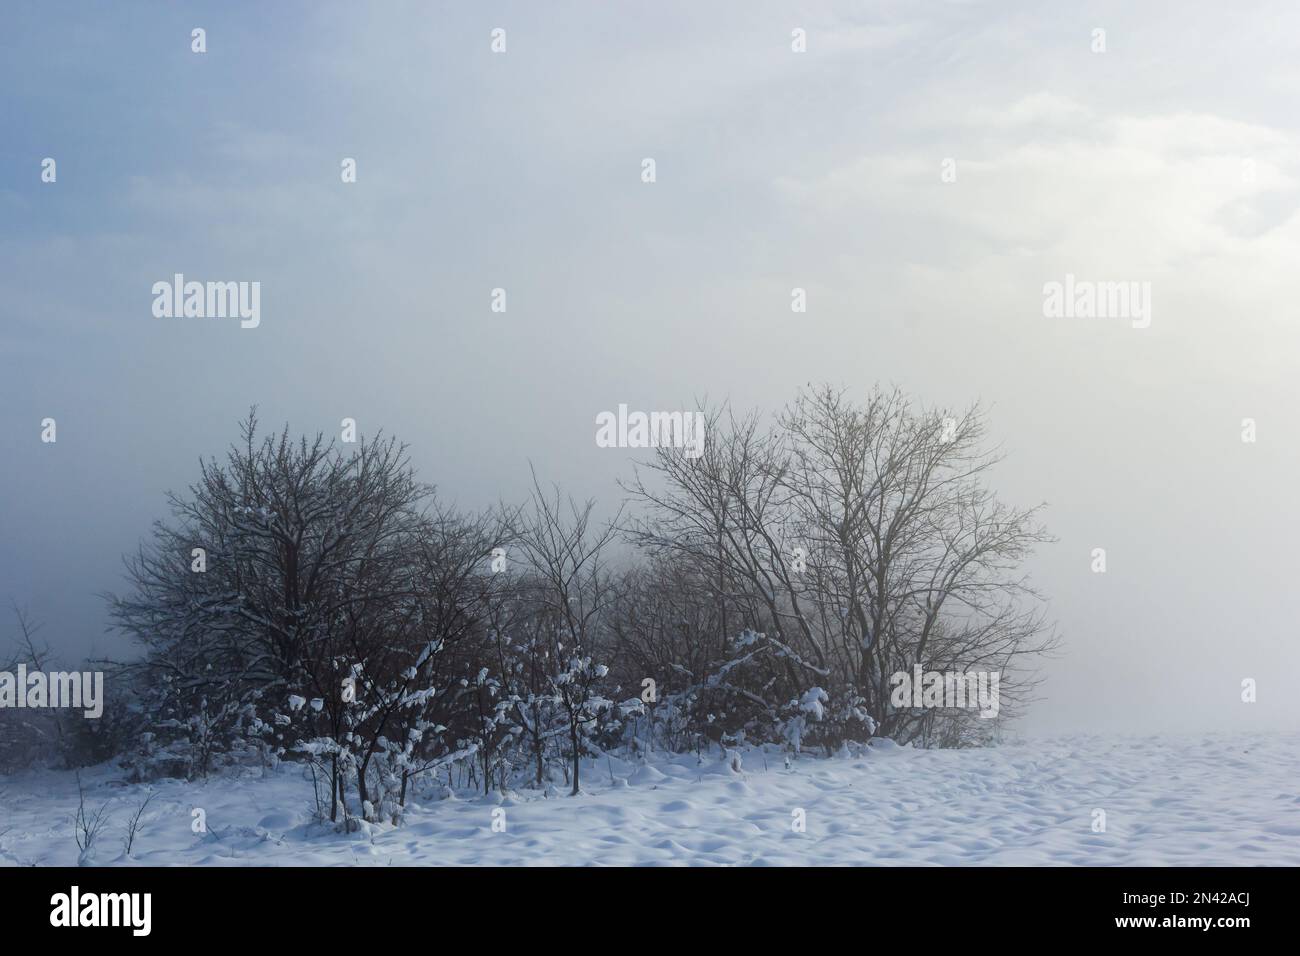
<point>315,601</point>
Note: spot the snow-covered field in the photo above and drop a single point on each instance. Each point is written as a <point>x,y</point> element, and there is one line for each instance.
<point>1221,800</point>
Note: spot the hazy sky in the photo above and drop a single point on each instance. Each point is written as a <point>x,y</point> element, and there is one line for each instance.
<point>1172,158</point>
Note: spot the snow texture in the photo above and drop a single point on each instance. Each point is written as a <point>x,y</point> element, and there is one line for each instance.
<point>1218,800</point>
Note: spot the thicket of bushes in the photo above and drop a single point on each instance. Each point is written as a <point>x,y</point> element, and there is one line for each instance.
<point>762,592</point>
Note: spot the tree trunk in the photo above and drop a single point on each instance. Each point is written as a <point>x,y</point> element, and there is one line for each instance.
<point>573,733</point>
<point>361,784</point>
<point>334,788</point>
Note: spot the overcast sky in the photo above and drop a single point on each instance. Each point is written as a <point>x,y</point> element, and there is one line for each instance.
<point>1172,158</point>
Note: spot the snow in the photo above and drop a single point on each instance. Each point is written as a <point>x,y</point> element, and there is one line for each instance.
<point>1218,800</point>
<point>812,703</point>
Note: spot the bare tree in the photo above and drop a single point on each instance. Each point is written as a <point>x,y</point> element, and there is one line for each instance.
<point>862,538</point>
<point>284,569</point>
<point>133,825</point>
<point>565,553</point>
<point>29,735</point>
<point>87,825</point>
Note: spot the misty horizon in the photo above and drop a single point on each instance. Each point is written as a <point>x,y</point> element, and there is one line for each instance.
<point>774,173</point>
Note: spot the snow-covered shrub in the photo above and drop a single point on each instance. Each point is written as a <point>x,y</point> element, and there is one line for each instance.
<point>345,619</point>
